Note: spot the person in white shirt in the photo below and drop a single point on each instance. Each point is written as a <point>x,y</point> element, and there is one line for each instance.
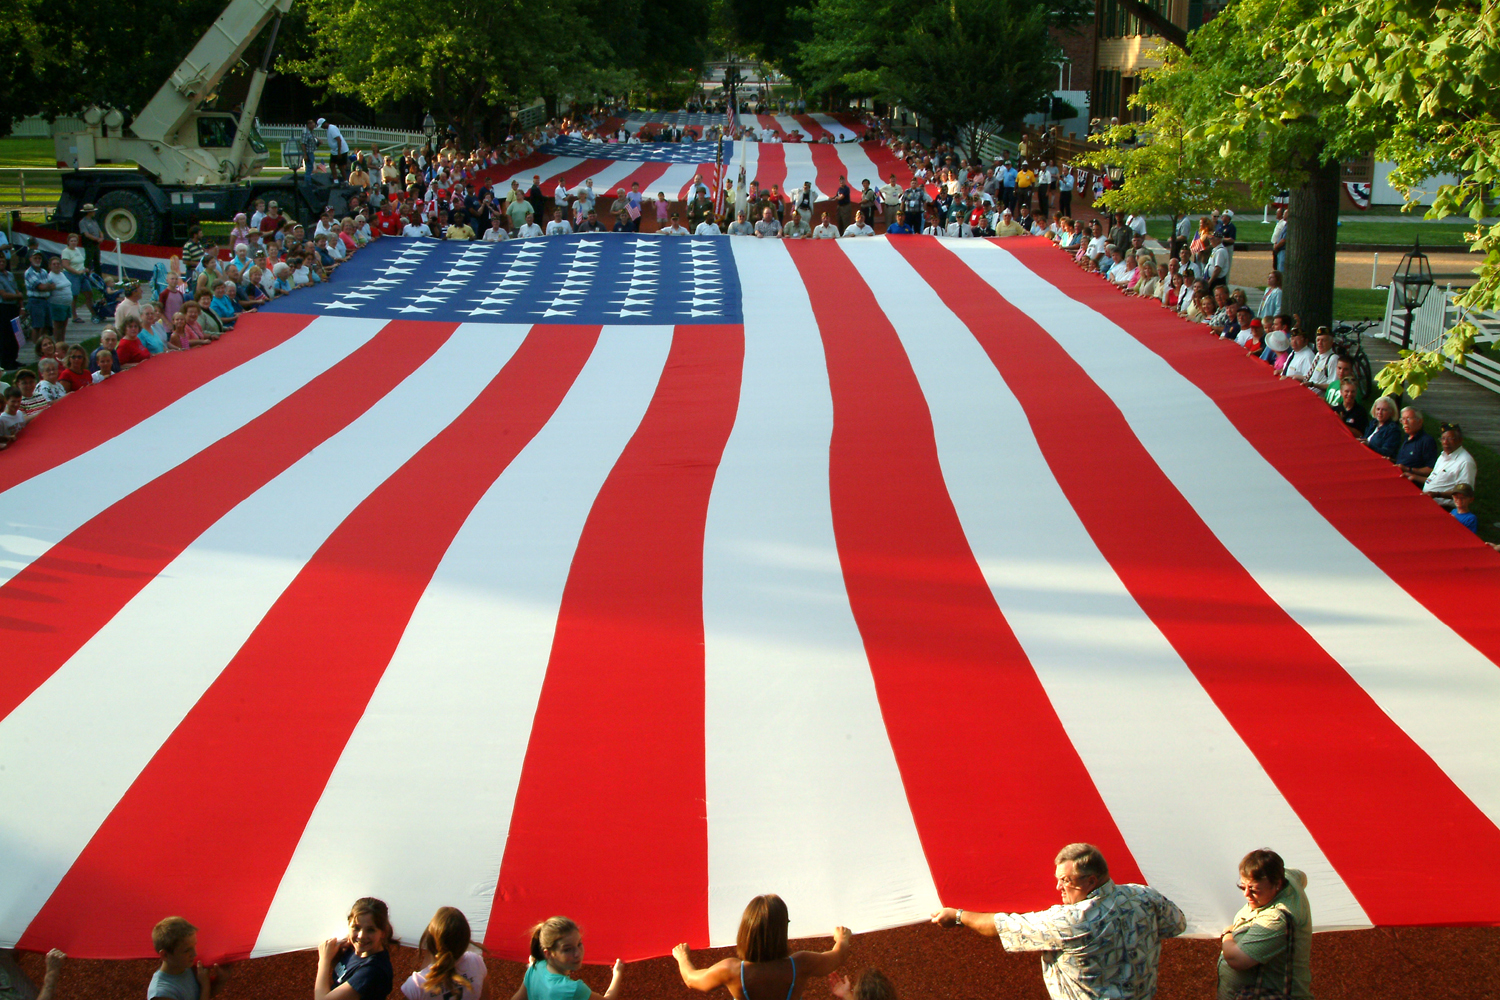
<point>958,226</point>
<point>1217,270</point>
<point>327,224</point>
<point>48,385</point>
<point>825,230</point>
<point>890,200</point>
<point>675,228</point>
<point>1299,365</point>
<point>1454,466</point>
<point>1137,224</point>
<point>708,227</point>
<point>560,196</point>
<point>338,150</point>
<point>559,226</point>
<point>530,229</point>
<point>1325,362</point>
<point>1270,303</point>
<point>496,233</point>
<point>416,227</point>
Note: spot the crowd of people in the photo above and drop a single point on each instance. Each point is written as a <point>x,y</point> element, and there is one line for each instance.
<point>194,299</point>
<point>1103,939</point>
<point>1195,284</point>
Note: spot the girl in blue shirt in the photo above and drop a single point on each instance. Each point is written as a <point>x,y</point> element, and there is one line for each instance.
<point>557,953</point>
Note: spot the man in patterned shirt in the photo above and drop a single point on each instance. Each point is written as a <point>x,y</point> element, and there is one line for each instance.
<point>1104,941</point>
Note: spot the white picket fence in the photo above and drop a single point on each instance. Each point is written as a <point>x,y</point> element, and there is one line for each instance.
<point>1430,325</point>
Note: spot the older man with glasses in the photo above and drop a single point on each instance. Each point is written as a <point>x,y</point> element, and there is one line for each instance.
<point>1103,940</point>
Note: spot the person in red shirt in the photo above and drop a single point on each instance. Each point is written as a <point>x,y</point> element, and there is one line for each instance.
<point>76,375</point>
<point>131,351</point>
<point>389,221</point>
<point>272,221</point>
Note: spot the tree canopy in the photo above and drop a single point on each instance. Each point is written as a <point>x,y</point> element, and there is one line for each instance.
<point>1205,101</point>
<point>1427,72</point>
<point>63,56</point>
<point>964,66</point>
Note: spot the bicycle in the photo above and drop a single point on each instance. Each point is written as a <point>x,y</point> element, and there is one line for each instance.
<point>1348,339</point>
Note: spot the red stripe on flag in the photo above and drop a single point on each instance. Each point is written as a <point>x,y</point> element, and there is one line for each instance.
<point>885,161</point>
<point>514,170</point>
<point>770,165</point>
<point>613,778</point>
<point>1375,802</point>
<point>850,122</point>
<point>829,169</point>
<point>811,128</point>
<point>943,657</point>
<point>1392,523</point>
<point>265,736</point>
<point>92,416</point>
<point>577,175</point>
<point>770,122</point>
<point>69,593</point>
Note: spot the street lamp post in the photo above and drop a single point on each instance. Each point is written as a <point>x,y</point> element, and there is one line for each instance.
<point>1413,280</point>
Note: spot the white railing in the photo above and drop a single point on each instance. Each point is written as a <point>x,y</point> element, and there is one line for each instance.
<point>38,127</point>
<point>1430,325</point>
<point>358,138</point>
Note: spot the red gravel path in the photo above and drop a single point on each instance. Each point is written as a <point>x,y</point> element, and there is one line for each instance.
<point>926,963</point>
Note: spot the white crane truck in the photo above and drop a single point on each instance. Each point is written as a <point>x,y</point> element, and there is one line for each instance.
<point>195,165</point>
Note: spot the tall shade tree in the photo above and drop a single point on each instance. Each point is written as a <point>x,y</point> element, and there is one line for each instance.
<point>965,66</point>
<point>64,57</point>
<point>970,66</point>
<point>1430,70</point>
<point>1163,173</point>
<point>1210,88</point>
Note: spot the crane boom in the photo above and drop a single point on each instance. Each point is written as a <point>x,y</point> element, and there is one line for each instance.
<point>198,76</point>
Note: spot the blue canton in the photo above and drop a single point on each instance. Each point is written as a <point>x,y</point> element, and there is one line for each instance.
<point>586,278</point>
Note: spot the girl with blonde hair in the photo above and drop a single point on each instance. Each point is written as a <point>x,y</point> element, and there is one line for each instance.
<point>556,954</point>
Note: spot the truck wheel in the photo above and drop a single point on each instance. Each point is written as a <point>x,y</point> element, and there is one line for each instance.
<point>128,217</point>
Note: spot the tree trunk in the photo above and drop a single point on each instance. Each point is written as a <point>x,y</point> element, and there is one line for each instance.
<point>1311,243</point>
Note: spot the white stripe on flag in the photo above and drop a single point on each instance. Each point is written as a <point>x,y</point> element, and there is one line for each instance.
<point>832,124</point>
<point>858,167</point>
<point>64,498</point>
<point>547,170</point>
<point>788,124</point>
<point>130,686</point>
<point>799,168</point>
<point>677,177</point>
<point>781,646</point>
<point>609,176</point>
<point>1373,628</point>
<point>471,661</point>
<point>1087,639</point>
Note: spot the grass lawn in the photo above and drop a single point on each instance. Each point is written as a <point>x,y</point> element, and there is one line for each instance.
<point>1433,234</point>
<point>26,153</point>
<point>1358,303</point>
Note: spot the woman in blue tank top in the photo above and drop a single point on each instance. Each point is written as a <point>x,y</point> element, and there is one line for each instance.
<point>763,968</point>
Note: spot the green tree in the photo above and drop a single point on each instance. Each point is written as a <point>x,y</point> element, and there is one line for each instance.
<point>64,57</point>
<point>1430,71</point>
<point>971,66</point>
<point>1163,173</point>
<point>965,66</point>
<point>1211,87</point>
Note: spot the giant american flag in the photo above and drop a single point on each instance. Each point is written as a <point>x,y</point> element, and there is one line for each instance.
<point>628,577</point>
